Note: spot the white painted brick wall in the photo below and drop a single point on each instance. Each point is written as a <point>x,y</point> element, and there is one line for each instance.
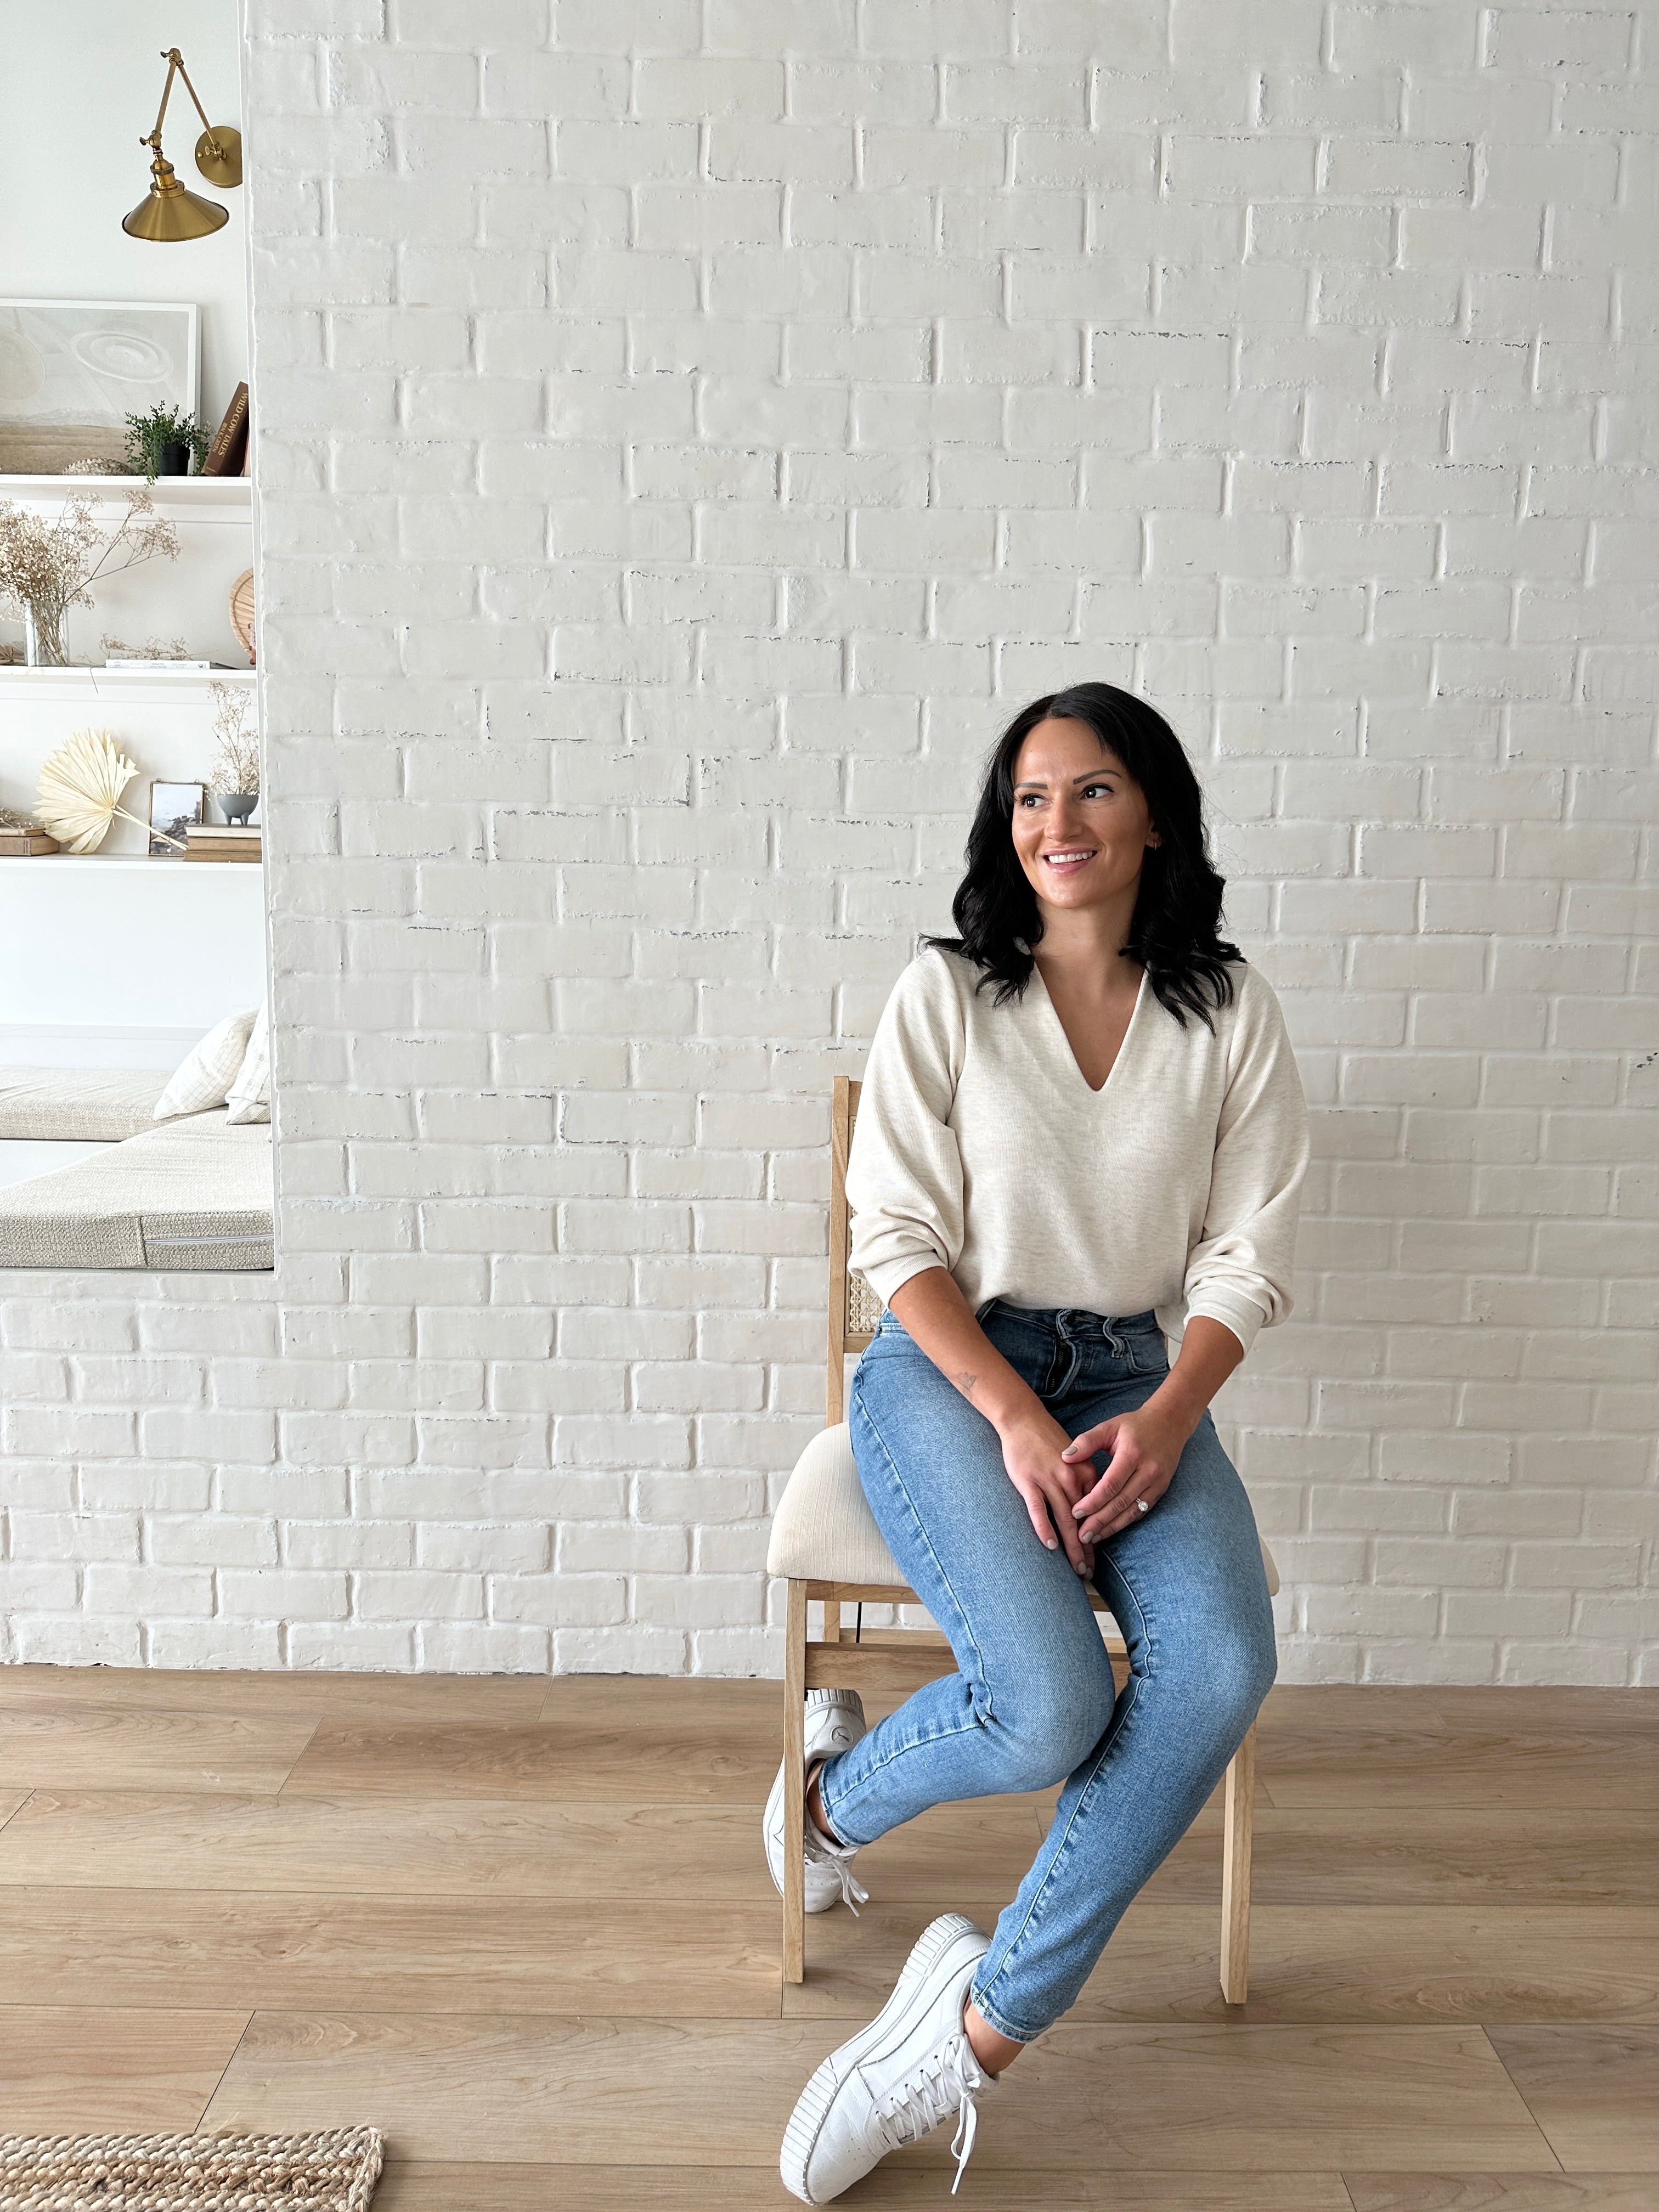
<point>678,456</point>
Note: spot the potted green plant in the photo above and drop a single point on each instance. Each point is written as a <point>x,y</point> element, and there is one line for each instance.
<point>164,443</point>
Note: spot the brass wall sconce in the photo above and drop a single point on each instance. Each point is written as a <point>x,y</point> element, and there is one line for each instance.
<point>167,212</point>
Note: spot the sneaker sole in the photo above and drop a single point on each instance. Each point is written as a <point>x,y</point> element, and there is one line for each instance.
<point>800,2138</point>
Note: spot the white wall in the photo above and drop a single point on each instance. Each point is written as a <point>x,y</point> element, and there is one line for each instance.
<point>84,81</point>
<point>679,455</point>
<point>112,945</point>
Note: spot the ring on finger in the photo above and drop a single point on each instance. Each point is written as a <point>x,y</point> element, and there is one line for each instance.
<point>1141,1506</point>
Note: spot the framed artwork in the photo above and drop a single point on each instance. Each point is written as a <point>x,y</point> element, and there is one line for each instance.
<point>174,808</point>
<point>71,371</point>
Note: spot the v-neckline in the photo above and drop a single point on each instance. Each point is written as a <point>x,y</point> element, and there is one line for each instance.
<point>1065,1042</point>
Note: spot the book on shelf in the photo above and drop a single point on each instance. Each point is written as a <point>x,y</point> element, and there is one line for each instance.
<point>223,840</point>
<point>228,454</point>
<point>25,844</point>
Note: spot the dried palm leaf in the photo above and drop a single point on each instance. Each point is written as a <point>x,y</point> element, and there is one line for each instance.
<point>79,793</point>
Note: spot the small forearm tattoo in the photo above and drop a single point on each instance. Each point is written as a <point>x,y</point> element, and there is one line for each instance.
<point>966,1382</point>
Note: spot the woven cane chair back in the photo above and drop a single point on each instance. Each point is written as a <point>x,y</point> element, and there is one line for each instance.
<point>855,1308</point>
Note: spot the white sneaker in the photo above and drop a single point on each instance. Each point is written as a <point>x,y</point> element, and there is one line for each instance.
<point>835,1722</point>
<point>912,2067</point>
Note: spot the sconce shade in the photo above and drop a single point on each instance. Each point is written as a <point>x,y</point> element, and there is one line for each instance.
<point>167,212</point>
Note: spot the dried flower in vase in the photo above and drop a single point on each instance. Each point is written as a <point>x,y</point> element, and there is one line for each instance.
<point>236,764</point>
<point>47,568</point>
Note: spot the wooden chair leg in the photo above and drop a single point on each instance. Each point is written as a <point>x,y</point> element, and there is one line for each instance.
<point>794,1785</point>
<point>1239,1827</point>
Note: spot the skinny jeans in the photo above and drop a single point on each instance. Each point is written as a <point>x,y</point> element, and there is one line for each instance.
<point>1034,1701</point>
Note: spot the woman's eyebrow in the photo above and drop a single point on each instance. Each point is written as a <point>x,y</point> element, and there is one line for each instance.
<point>1041,782</point>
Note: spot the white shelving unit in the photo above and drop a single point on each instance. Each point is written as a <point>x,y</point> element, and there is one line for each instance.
<point>160,715</point>
<point>195,499</point>
<point>74,685</point>
<point>151,864</point>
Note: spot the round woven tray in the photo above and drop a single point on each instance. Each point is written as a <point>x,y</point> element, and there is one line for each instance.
<point>241,612</point>
<point>334,2170</point>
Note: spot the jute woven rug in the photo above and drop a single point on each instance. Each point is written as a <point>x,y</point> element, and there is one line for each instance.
<point>333,2171</point>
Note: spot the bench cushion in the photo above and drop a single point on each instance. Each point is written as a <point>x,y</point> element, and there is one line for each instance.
<point>189,1194</point>
<point>824,1530</point>
<point>78,1105</point>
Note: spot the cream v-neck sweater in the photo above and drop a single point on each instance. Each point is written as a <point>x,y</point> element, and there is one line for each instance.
<point>979,1147</point>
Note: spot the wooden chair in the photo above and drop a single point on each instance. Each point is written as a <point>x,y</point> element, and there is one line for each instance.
<point>826,1547</point>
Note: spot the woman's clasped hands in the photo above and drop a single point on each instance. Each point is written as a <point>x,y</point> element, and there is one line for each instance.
<point>1069,1505</point>
<point>1145,1447</point>
<point>1034,1448</point>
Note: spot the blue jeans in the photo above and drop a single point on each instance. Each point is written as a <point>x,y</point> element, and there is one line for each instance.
<point>1035,1702</point>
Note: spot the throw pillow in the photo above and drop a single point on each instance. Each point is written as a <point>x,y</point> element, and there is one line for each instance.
<point>249,1099</point>
<point>203,1078</point>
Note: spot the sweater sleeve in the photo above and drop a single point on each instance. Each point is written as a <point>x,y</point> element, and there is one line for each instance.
<point>905,1181</point>
<point>1239,1271</point>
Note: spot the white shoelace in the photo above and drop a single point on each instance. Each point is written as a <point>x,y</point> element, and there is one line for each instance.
<point>943,2084</point>
<point>820,1853</point>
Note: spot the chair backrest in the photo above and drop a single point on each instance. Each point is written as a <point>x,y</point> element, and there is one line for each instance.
<point>855,1308</point>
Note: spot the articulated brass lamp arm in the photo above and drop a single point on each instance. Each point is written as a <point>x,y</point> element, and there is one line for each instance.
<point>175,62</point>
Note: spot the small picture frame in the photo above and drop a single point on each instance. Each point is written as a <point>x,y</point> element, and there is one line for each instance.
<point>174,808</point>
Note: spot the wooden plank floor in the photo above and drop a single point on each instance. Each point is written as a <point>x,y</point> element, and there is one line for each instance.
<point>525,1928</point>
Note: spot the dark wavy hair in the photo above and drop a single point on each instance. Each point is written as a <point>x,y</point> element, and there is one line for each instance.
<point>1173,932</point>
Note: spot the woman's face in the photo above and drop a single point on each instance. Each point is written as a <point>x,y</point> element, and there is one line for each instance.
<point>1081,825</point>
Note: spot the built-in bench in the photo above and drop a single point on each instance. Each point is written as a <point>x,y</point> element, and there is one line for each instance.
<point>186,1193</point>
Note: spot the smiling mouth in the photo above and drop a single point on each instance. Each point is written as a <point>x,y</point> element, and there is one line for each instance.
<point>1068,862</point>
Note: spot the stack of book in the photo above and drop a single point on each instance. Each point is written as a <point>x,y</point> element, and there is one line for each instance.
<point>24,840</point>
<point>222,840</point>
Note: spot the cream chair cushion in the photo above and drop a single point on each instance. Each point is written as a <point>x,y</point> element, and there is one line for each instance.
<point>824,1530</point>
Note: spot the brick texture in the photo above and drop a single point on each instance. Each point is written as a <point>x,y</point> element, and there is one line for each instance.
<point>687,428</point>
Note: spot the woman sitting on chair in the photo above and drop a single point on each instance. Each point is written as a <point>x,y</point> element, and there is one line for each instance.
<point>1081,1131</point>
